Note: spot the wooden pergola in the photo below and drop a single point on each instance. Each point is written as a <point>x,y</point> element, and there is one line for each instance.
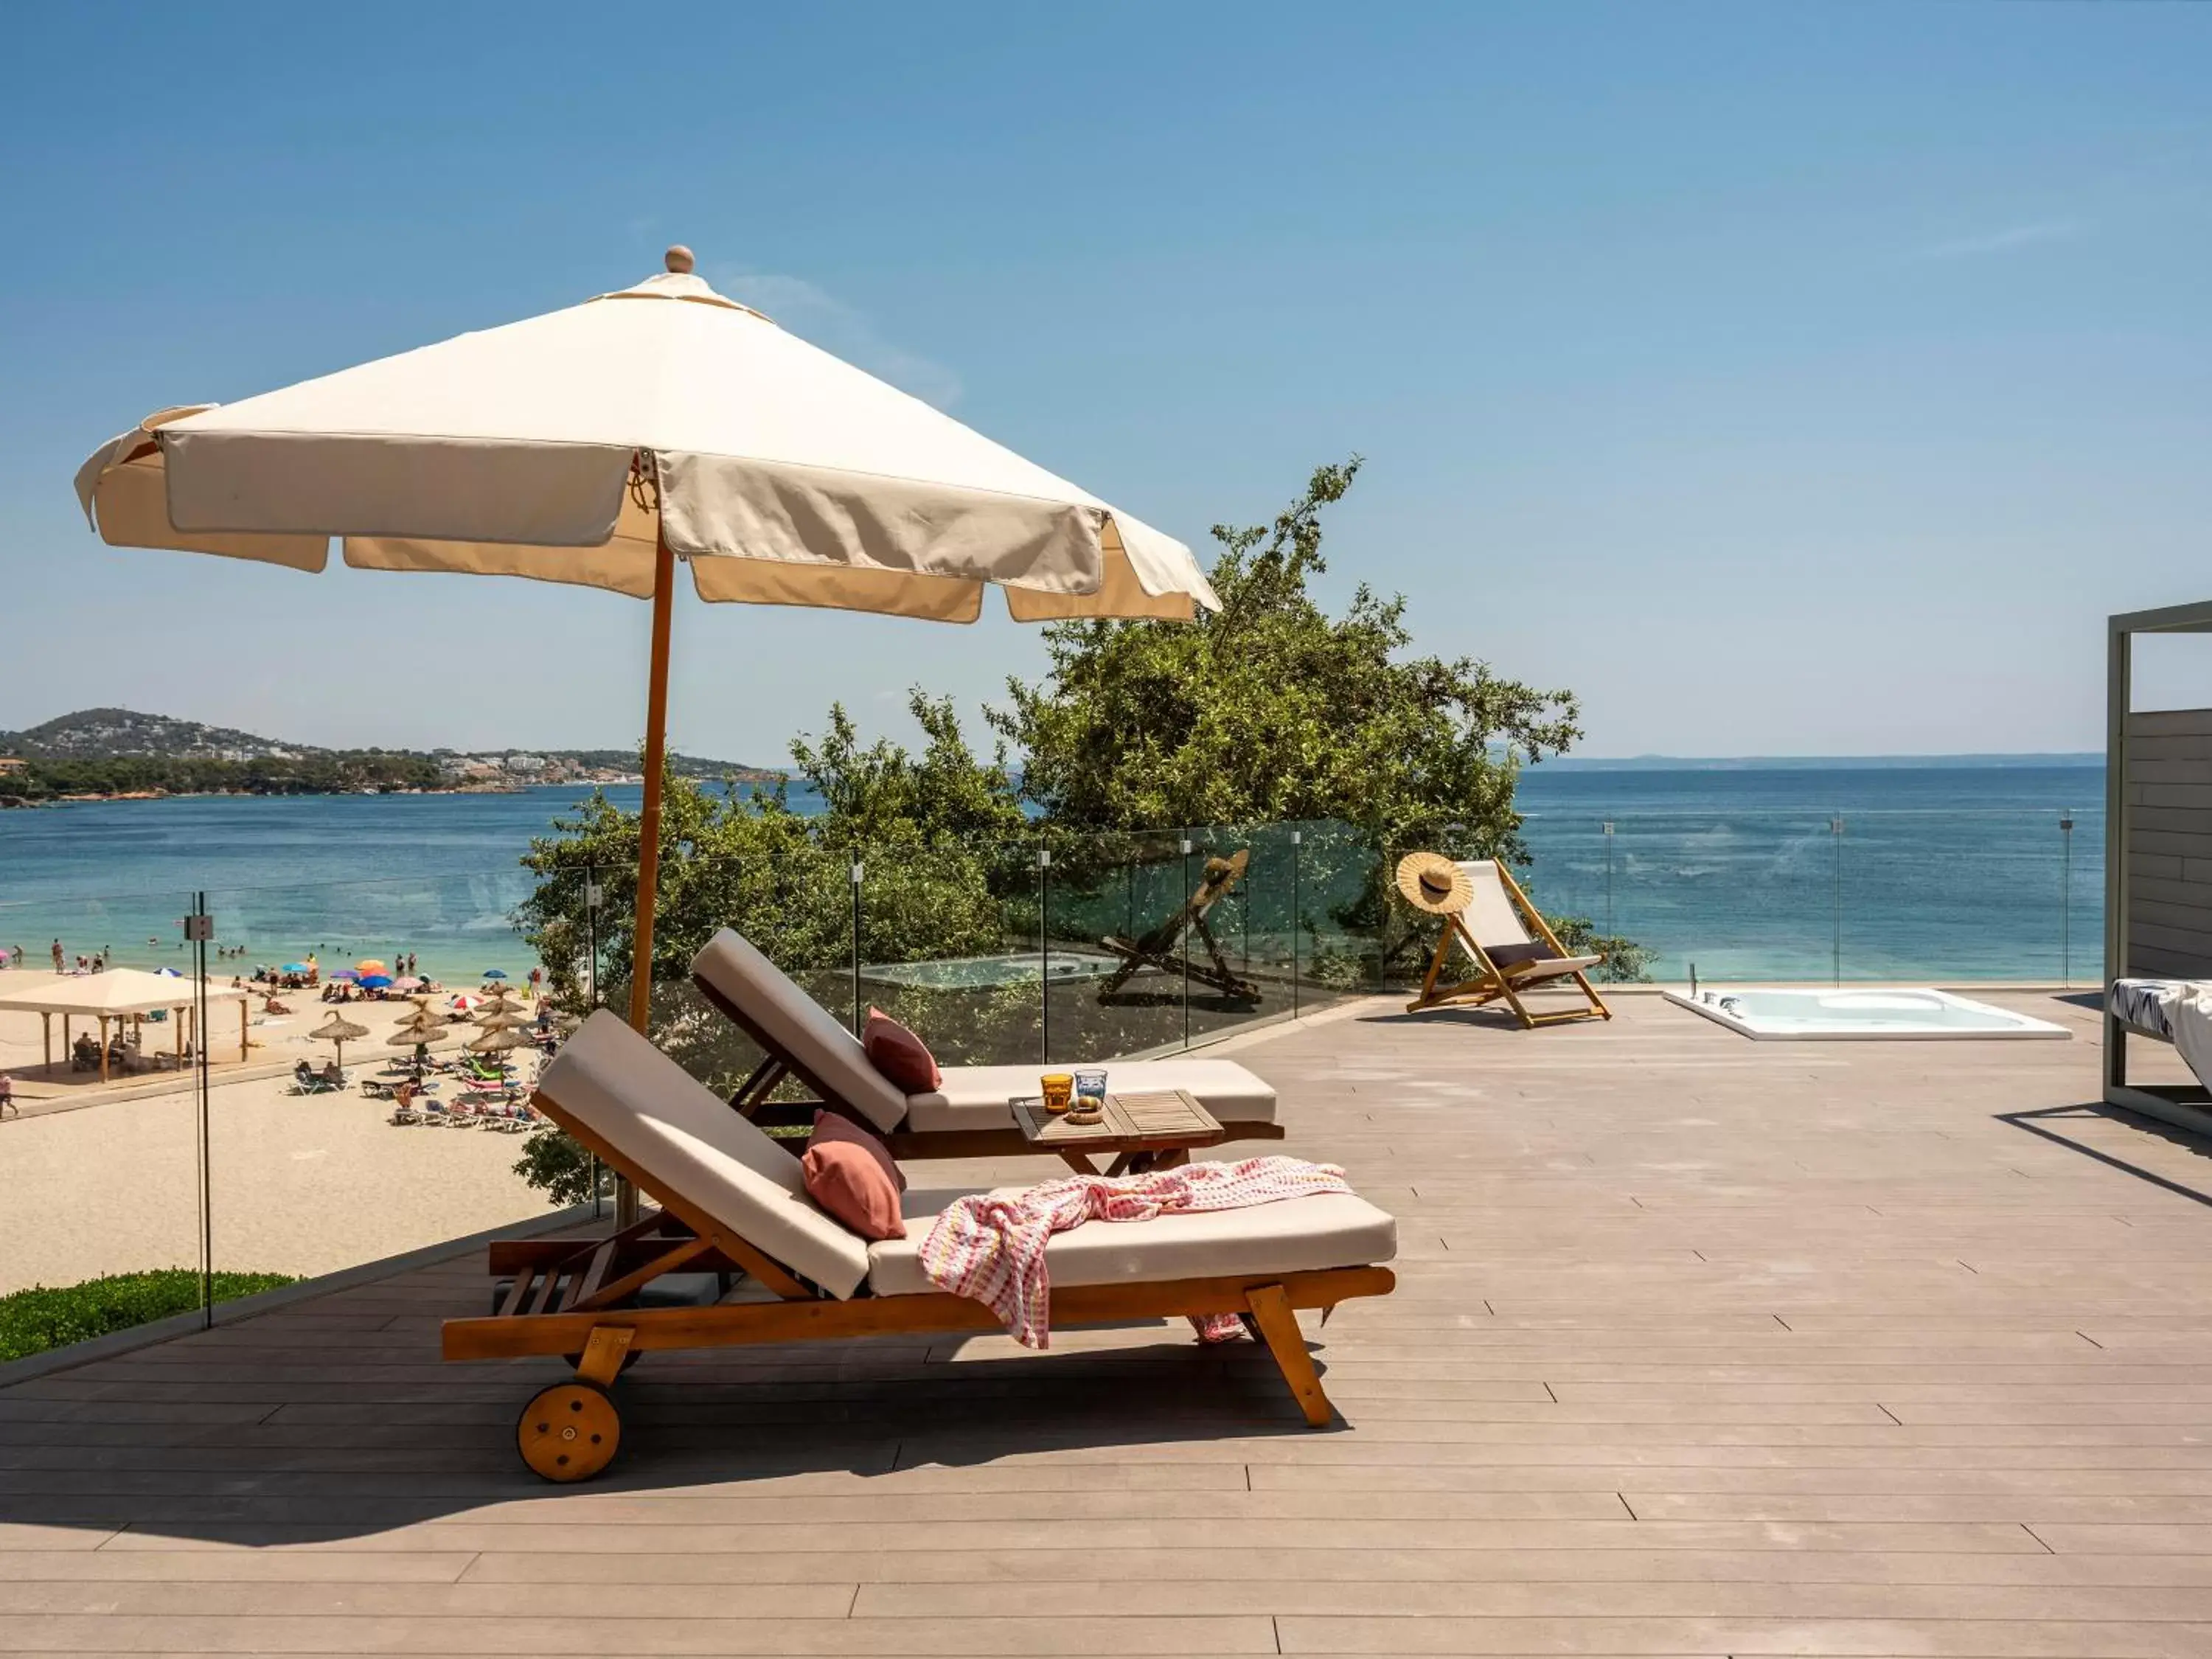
<point>114,997</point>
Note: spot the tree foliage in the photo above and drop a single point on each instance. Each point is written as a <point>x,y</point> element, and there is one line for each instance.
<point>1272,709</point>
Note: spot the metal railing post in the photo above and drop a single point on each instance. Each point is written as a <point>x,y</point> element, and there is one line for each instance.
<point>2066,897</point>
<point>1044,955</point>
<point>1606,828</point>
<point>857,871</point>
<point>1183,940</point>
<point>1297,839</point>
<point>1836,830</point>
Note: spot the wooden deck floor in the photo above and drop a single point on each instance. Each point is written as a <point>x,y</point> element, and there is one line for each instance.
<point>1701,1346</point>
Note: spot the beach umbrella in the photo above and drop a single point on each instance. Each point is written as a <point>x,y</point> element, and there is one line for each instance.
<point>371,965</point>
<point>375,982</point>
<point>462,1002</point>
<point>340,1030</point>
<point>407,982</point>
<point>495,973</point>
<point>345,973</point>
<point>603,443</point>
<point>501,1019</point>
<point>498,1042</point>
<point>294,967</point>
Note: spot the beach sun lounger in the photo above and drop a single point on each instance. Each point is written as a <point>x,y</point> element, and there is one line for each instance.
<point>1492,934</point>
<point>1158,949</point>
<point>733,1202</point>
<point>967,1115</point>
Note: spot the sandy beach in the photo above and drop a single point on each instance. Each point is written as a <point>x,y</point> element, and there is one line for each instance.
<point>301,1184</point>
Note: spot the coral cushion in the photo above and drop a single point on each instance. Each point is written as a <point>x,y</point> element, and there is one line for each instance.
<point>899,1054</point>
<point>850,1173</point>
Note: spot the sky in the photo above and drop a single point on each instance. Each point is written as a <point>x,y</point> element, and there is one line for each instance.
<point>1780,379</point>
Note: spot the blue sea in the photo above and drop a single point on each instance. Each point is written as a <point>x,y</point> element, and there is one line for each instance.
<point>1886,872</point>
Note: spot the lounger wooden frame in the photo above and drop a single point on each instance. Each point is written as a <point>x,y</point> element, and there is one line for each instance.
<point>566,1298</point>
<point>1495,984</point>
<point>780,1065</point>
<point>1158,949</point>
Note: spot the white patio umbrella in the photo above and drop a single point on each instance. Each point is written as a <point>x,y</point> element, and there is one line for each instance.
<point>602,443</point>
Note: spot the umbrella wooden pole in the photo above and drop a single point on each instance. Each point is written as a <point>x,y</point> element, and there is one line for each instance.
<point>648,827</point>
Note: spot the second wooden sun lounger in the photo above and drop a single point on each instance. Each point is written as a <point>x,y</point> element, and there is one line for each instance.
<point>733,1203</point>
<point>968,1115</point>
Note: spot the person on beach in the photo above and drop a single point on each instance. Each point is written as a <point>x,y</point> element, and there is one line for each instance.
<point>58,955</point>
<point>8,1097</point>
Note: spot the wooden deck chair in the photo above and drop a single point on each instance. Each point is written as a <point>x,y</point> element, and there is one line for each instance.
<point>966,1115</point>
<point>1492,932</point>
<point>733,1203</point>
<point>1158,949</point>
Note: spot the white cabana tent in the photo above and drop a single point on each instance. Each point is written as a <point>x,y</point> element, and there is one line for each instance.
<point>113,997</point>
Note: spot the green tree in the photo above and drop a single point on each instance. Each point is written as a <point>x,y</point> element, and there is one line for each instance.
<point>1272,709</point>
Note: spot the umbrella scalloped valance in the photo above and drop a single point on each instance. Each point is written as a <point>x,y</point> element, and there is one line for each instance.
<point>574,446</point>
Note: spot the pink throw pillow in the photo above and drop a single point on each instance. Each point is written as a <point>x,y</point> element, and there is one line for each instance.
<point>851,1174</point>
<point>899,1054</point>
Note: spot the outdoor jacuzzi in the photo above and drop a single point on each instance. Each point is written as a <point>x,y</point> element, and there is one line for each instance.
<point>1770,1015</point>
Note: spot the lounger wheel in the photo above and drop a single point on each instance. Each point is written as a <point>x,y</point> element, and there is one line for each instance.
<point>569,1431</point>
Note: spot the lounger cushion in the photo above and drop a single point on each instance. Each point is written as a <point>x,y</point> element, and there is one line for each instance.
<point>849,1173</point>
<point>799,1025</point>
<point>689,1145</point>
<point>975,1096</point>
<point>899,1054</point>
<point>1299,1235</point>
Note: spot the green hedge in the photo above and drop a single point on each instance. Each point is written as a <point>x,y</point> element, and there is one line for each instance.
<point>34,1320</point>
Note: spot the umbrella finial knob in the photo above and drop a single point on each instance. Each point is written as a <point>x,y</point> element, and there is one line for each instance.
<point>678,259</point>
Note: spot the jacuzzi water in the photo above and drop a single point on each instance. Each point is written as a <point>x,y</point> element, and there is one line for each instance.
<point>982,973</point>
<point>1914,1013</point>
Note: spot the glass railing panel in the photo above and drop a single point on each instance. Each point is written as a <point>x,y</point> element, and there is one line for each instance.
<point>1993,895</point>
<point>1741,896</point>
<point>1116,985</point>
<point>952,948</point>
<point>101,1132</point>
<point>396,1029</point>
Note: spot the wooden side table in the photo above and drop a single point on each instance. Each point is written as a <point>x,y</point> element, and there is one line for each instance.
<point>1153,1130</point>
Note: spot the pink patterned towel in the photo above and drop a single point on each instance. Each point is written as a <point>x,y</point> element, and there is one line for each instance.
<point>991,1247</point>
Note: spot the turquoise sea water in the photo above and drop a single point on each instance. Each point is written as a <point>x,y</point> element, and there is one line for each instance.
<point>1941,873</point>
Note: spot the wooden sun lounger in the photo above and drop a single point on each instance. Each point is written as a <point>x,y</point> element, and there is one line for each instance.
<point>1499,919</point>
<point>801,1040</point>
<point>1158,949</point>
<point>808,1279</point>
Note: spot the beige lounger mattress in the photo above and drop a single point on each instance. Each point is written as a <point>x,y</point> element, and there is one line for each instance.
<point>1299,1235</point>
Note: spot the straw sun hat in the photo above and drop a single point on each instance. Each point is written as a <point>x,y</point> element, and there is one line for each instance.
<point>1433,882</point>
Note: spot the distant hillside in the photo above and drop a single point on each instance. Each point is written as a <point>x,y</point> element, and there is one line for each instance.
<point>106,734</point>
<point>110,734</point>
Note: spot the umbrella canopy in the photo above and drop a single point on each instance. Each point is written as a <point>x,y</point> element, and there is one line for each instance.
<point>294,967</point>
<point>337,1029</point>
<point>407,982</point>
<point>375,982</point>
<point>495,973</point>
<point>345,973</point>
<point>582,445</point>
<point>500,1019</point>
<point>371,965</point>
<point>463,1001</point>
<point>496,1042</point>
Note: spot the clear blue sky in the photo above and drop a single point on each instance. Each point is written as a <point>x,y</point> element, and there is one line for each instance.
<point>1801,378</point>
